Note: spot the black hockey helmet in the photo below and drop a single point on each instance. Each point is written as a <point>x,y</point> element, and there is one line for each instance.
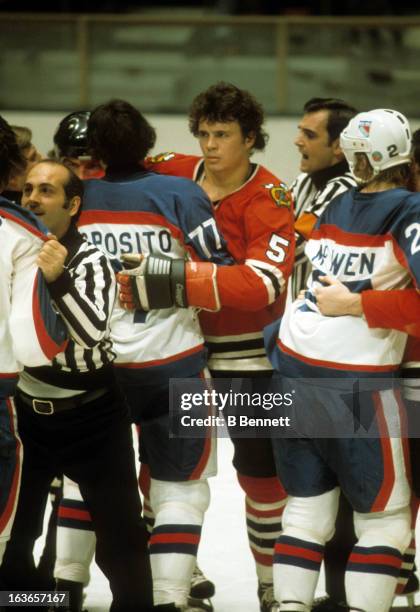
<point>70,138</point>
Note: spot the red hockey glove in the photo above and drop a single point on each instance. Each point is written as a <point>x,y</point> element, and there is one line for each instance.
<point>201,285</point>
<point>160,282</point>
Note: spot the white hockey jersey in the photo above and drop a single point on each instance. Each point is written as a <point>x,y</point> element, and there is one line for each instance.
<point>367,241</point>
<point>31,332</point>
<point>163,215</point>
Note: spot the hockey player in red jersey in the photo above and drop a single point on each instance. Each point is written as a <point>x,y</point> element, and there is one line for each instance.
<point>253,209</point>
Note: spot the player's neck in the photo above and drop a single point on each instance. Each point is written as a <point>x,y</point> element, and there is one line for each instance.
<point>218,185</point>
<point>378,186</point>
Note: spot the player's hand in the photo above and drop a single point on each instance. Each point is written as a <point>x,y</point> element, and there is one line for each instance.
<point>126,290</point>
<point>51,258</point>
<point>158,282</point>
<point>335,299</point>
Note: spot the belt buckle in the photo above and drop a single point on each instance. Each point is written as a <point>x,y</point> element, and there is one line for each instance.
<point>45,407</point>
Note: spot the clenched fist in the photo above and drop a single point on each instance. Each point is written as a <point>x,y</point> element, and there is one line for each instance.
<point>51,259</point>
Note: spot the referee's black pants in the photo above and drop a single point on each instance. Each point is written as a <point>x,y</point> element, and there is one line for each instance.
<point>92,445</point>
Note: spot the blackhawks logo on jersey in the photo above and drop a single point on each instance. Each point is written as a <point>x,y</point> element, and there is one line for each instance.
<point>156,159</point>
<point>280,194</point>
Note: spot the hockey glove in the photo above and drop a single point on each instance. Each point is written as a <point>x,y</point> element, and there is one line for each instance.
<point>161,282</point>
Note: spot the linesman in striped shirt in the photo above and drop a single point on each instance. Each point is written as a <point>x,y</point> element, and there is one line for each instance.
<point>324,172</point>
<point>70,416</point>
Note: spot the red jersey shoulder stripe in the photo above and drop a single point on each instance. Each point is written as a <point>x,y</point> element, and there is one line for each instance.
<point>344,238</point>
<point>28,226</point>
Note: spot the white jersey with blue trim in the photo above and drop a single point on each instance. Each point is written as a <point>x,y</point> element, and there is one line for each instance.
<point>31,332</point>
<point>367,241</point>
<point>162,215</point>
<point>311,197</point>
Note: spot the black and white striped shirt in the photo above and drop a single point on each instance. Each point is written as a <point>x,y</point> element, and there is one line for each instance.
<point>84,294</point>
<point>312,193</point>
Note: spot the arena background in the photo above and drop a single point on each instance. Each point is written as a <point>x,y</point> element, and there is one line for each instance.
<point>280,156</point>
<point>173,135</point>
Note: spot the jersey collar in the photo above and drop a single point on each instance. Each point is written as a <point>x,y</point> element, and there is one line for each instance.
<point>321,177</point>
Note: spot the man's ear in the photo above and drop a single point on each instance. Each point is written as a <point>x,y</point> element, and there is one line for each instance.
<point>250,140</point>
<point>75,204</point>
<point>337,150</point>
<point>16,181</point>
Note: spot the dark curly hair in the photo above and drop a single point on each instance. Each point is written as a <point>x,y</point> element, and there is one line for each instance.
<point>12,160</point>
<point>119,135</point>
<point>224,102</point>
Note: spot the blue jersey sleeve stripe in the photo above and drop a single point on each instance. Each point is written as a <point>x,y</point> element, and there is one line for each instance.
<point>50,328</point>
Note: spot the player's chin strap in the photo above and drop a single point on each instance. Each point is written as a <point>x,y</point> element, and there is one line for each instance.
<point>152,282</point>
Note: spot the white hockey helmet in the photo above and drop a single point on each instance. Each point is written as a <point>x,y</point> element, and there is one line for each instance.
<point>383,135</point>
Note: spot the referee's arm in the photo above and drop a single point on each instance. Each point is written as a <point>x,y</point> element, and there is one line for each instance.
<point>85,294</point>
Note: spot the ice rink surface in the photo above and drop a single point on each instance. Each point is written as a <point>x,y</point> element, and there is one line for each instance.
<point>224,554</point>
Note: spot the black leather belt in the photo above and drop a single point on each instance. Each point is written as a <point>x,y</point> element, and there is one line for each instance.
<point>53,406</point>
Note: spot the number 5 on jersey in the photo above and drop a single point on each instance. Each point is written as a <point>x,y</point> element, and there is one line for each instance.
<point>277,248</point>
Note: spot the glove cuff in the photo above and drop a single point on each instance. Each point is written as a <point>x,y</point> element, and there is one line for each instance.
<point>156,277</point>
<point>178,287</point>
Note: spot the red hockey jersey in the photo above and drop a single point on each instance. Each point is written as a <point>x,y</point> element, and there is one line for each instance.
<point>399,309</point>
<point>257,223</point>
